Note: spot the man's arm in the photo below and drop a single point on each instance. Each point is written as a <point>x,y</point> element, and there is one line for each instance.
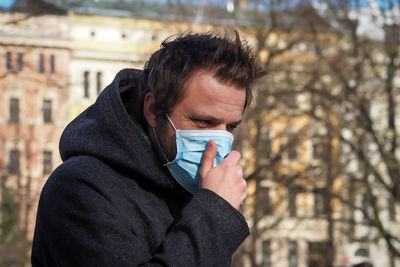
<point>207,234</point>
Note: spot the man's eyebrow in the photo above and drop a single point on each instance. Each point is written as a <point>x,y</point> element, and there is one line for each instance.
<point>213,119</point>
<point>236,122</point>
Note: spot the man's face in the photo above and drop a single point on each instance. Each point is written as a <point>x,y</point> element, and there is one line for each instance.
<point>207,104</point>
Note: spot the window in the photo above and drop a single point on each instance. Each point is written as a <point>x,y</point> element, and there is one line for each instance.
<point>19,61</point>
<point>52,64</point>
<point>47,111</point>
<point>392,210</point>
<point>317,254</point>
<point>319,148</point>
<point>99,83</point>
<point>14,110</point>
<point>293,191</point>
<point>264,201</point>
<point>292,147</point>
<point>366,207</point>
<point>8,61</point>
<point>41,63</point>
<point>266,253</point>
<point>320,154</point>
<point>320,205</point>
<point>13,164</point>
<point>289,145</point>
<point>47,162</point>
<point>265,139</point>
<point>86,84</point>
<point>292,254</point>
<point>362,252</point>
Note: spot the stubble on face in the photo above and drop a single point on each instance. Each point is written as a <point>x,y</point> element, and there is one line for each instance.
<point>166,138</point>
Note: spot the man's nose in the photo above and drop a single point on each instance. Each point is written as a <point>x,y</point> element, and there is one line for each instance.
<point>223,127</point>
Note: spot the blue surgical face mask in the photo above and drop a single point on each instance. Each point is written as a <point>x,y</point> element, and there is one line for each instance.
<point>190,147</point>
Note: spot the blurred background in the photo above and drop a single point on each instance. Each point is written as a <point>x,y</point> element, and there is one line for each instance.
<point>320,141</point>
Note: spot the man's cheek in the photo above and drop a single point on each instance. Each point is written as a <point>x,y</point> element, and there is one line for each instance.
<point>170,147</point>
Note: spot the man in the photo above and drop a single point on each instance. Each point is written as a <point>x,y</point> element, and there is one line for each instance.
<point>132,189</point>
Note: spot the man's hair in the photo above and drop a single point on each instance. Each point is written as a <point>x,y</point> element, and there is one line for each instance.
<point>229,60</point>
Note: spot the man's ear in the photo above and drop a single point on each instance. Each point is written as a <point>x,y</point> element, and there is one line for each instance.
<point>149,110</point>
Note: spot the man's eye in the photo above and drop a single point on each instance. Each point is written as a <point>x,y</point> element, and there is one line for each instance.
<point>202,122</point>
<point>230,128</point>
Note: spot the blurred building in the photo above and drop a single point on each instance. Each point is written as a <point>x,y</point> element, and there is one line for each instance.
<point>54,64</point>
<point>102,46</point>
<point>105,41</point>
<point>302,207</point>
<point>291,161</point>
<point>34,71</point>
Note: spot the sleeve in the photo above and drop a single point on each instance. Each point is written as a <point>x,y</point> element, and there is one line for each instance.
<point>78,226</point>
<point>207,234</point>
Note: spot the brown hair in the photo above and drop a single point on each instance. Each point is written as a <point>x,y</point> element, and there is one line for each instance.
<point>230,60</point>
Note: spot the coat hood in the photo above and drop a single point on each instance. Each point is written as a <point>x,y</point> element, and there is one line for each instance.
<point>113,131</point>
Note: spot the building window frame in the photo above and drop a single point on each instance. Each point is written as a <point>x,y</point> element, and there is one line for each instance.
<point>320,202</point>
<point>266,253</point>
<point>292,254</point>
<point>20,61</point>
<point>366,206</point>
<point>290,144</point>
<point>52,64</point>
<point>47,111</point>
<point>264,198</point>
<point>14,110</point>
<point>99,82</point>
<point>9,61</point>
<point>41,63</point>
<point>14,162</point>
<point>86,84</point>
<point>319,148</point>
<point>293,191</point>
<point>47,162</point>
<point>392,209</point>
<point>316,253</point>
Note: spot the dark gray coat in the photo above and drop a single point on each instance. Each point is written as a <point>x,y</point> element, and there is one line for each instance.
<point>111,203</point>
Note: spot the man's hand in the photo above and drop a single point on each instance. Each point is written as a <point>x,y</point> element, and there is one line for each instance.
<point>226,179</point>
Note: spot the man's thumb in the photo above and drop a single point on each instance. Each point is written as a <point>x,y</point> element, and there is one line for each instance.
<point>208,158</point>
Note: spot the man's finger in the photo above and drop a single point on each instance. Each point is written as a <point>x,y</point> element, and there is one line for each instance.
<point>232,159</point>
<point>208,158</point>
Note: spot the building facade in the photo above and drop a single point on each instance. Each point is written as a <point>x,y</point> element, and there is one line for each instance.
<point>34,73</point>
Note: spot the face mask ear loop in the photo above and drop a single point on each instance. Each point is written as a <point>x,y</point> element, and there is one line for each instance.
<point>170,121</point>
<point>158,143</point>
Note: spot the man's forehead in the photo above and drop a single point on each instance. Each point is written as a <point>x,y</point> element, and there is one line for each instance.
<point>207,85</point>
<point>207,98</point>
